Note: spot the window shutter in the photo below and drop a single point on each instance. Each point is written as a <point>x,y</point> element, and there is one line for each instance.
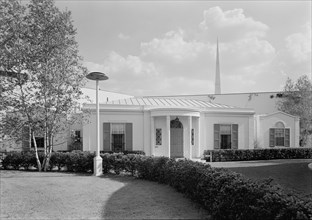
<point>129,137</point>
<point>107,137</point>
<point>216,128</point>
<point>272,137</point>
<point>287,137</point>
<point>234,136</point>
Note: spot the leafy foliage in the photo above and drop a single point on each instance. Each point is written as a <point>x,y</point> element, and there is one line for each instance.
<point>41,71</point>
<point>297,100</point>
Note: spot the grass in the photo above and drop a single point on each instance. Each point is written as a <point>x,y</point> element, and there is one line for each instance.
<point>292,176</point>
<point>58,195</point>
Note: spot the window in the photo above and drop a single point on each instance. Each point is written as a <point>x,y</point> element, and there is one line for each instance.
<point>117,136</point>
<point>77,137</point>
<point>192,136</point>
<point>279,136</point>
<point>39,142</point>
<point>225,136</point>
<point>158,136</point>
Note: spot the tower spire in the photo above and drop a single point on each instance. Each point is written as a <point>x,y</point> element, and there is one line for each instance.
<point>217,77</point>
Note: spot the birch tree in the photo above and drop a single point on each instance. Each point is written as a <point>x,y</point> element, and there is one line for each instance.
<point>39,54</point>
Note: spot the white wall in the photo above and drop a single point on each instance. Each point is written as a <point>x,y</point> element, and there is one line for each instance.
<point>245,129</point>
<point>267,122</point>
<point>89,130</point>
<point>161,150</point>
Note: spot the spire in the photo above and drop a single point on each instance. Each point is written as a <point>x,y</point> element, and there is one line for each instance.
<point>217,79</point>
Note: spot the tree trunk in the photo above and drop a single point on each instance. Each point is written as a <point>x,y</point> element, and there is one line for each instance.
<point>49,153</point>
<point>36,152</point>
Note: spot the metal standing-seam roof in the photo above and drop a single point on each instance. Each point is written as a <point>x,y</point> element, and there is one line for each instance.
<point>167,102</point>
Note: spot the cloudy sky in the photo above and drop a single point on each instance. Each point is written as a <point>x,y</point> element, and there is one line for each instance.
<point>169,47</point>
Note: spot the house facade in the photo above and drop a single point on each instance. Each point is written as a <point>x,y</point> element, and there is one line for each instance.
<point>185,127</point>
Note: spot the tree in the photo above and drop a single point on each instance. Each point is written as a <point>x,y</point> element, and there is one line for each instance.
<point>38,45</point>
<point>297,100</point>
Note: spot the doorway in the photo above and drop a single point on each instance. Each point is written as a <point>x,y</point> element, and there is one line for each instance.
<point>176,138</point>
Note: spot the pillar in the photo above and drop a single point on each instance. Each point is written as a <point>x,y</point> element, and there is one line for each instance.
<point>168,134</point>
<point>198,138</point>
<point>152,136</point>
<point>189,144</point>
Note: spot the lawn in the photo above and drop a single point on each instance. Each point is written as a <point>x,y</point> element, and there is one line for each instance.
<point>292,176</point>
<point>57,195</point>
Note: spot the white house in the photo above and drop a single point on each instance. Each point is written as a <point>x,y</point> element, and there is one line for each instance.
<point>185,127</point>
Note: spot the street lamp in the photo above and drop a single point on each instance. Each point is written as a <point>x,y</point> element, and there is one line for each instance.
<point>97,162</point>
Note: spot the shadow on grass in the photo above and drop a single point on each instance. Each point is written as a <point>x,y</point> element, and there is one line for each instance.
<point>140,199</point>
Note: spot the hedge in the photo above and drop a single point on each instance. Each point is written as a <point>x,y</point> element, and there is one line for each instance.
<point>258,154</point>
<point>225,194</point>
<point>75,161</point>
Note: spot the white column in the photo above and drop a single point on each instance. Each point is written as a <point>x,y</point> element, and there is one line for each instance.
<point>168,133</point>
<point>189,145</point>
<point>198,138</point>
<point>97,162</point>
<point>152,136</point>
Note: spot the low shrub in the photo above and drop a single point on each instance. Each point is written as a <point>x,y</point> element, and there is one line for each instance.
<point>225,194</point>
<point>258,154</point>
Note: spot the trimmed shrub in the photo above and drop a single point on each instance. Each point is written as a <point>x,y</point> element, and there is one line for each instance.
<point>225,194</point>
<point>258,154</point>
<point>79,161</point>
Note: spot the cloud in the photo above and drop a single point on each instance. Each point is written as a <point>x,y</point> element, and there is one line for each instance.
<point>182,63</point>
<point>294,58</point>
<point>298,45</point>
<point>231,24</point>
<point>173,46</point>
<point>123,36</point>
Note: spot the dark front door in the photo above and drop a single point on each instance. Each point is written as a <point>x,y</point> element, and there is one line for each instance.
<point>118,142</point>
<point>225,141</point>
<point>176,142</point>
<point>176,138</point>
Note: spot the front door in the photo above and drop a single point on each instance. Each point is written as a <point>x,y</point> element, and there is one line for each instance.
<point>176,138</point>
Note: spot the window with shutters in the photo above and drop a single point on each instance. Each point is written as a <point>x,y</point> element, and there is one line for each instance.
<point>225,136</point>
<point>158,136</point>
<point>117,137</point>
<point>279,136</point>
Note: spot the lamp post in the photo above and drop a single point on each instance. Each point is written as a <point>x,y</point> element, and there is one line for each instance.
<point>97,162</point>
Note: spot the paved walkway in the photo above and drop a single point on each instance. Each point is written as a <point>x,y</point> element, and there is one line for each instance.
<point>53,195</point>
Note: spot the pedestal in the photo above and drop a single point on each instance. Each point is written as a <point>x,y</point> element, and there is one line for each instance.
<point>97,166</point>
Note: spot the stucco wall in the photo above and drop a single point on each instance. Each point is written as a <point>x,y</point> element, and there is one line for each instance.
<point>267,122</point>
<point>245,129</point>
<point>89,130</point>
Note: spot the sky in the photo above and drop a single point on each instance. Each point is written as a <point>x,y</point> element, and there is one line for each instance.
<point>169,47</point>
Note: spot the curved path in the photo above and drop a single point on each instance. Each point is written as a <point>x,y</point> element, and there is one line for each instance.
<point>52,195</point>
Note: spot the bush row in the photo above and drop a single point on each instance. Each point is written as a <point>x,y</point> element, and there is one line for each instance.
<point>75,161</point>
<point>225,194</point>
<point>258,154</point>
